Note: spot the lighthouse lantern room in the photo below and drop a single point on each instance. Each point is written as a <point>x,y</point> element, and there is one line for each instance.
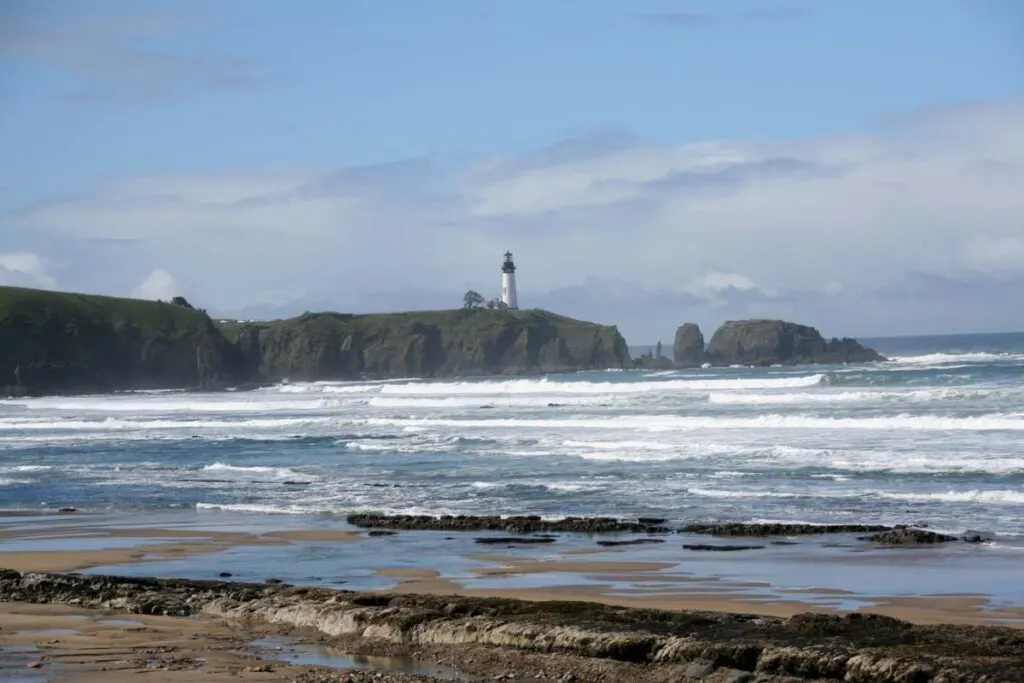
<point>508,282</point>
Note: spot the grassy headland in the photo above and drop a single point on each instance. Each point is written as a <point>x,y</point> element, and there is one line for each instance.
<point>55,342</point>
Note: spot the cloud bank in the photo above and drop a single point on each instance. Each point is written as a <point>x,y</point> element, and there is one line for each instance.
<point>917,227</point>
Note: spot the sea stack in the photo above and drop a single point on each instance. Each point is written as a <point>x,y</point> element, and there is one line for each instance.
<point>688,349</point>
<point>778,342</point>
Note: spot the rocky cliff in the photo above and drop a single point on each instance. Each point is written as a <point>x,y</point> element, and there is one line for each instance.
<point>777,342</point>
<point>57,343</point>
<point>52,342</point>
<point>427,344</point>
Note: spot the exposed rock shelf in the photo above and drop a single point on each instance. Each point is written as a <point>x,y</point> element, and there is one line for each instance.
<point>780,529</point>
<point>854,648</point>
<point>528,524</point>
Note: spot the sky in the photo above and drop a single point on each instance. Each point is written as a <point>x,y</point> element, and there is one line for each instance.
<point>853,165</point>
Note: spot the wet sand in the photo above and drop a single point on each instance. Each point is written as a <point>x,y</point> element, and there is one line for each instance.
<point>530,574</point>
<point>65,643</point>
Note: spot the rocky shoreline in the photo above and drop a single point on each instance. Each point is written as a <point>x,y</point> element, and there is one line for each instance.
<point>556,640</point>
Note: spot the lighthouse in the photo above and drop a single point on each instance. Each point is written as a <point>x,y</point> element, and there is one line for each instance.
<point>508,282</point>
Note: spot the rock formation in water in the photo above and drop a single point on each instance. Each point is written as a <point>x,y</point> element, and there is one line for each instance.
<point>777,342</point>
<point>688,349</point>
<point>52,342</point>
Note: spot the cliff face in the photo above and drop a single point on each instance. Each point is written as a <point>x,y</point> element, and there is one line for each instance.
<point>53,342</point>
<point>771,342</point>
<point>427,344</point>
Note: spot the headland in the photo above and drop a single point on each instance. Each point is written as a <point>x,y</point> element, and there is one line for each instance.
<point>60,343</point>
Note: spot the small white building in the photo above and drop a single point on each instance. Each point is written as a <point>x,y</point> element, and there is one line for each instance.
<point>509,297</point>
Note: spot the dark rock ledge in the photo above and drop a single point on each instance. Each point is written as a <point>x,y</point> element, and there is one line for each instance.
<point>880,534</point>
<point>525,524</point>
<point>753,530</point>
<point>856,648</point>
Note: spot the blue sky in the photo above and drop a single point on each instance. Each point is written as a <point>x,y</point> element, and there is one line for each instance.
<point>847,164</point>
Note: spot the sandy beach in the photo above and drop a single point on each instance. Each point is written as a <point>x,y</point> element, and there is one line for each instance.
<point>51,642</point>
<point>424,563</point>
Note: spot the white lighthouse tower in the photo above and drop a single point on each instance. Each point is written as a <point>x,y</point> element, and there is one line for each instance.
<point>508,282</point>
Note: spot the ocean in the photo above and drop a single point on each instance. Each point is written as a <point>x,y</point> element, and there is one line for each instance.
<point>935,435</point>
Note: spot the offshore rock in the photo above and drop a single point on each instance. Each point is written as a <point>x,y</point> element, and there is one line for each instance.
<point>528,524</point>
<point>853,647</point>
<point>688,349</point>
<point>777,342</point>
<point>779,529</point>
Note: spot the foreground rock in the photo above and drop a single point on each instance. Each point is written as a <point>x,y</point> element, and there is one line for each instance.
<point>530,524</point>
<point>777,342</point>
<point>688,348</point>
<point>855,648</point>
<point>760,530</point>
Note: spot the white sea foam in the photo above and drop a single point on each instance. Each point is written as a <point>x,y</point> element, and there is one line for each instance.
<point>180,405</point>
<point>281,472</point>
<point>111,423</point>
<point>548,386</point>
<point>260,509</point>
<point>910,396</point>
<point>993,497</point>
<point>947,358</point>
<point>1009,421</point>
<point>495,400</point>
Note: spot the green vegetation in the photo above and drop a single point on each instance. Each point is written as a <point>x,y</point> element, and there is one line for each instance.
<point>52,342</point>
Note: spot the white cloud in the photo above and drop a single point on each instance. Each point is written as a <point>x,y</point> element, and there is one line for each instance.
<point>24,269</point>
<point>159,284</point>
<point>714,282</point>
<point>996,256</point>
<point>746,227</point>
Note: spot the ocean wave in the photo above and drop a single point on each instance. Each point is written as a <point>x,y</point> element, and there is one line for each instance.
<point>909,396</point>
<point>182,405</point>
<point>547,386</point>
<point>490,401</point>
<point>260,508</point>
<point>941,359</point>
<point>994,497</point>
<point>280,472</point>
<point>993,422</point>
<point>110,424</point>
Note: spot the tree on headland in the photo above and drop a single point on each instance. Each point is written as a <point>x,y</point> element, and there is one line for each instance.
<point>472,299</point>
<point>182,301</point>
